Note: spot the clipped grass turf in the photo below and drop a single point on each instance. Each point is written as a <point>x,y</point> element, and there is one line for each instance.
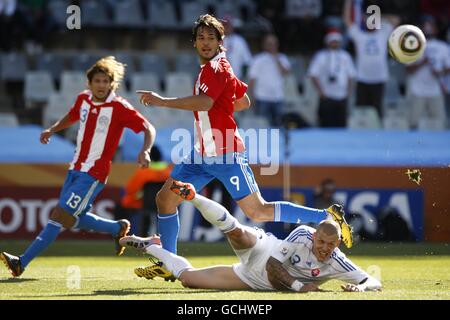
<point>408,271</point>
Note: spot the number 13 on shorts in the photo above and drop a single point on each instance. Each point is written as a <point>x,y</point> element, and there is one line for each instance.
<point>235,181</point>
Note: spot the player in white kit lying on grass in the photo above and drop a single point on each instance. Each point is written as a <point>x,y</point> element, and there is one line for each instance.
<point>303,261</point>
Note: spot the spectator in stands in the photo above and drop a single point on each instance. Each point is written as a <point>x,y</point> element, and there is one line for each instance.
<point>8,24</point>
<point>38,23</point>
<point>332,71</point>
<point>303,24</point>
<point>426,78</point>
<point>139,197</point>
<point>324,195</point>
<point>267,80</point>
<point>238,52</point>
<point>371,56</point>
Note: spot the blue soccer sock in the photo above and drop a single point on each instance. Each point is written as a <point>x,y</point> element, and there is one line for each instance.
<point>92,222</point>
<point>294,213</point>
<point>42,241</point>
<point>168,228</point>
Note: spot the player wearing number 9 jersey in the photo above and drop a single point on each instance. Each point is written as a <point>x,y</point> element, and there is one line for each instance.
<point>219,151</point>
<point>102,116</point>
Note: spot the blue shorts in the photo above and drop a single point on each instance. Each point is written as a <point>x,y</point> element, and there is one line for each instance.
<point>79,192</point>
<point>231,169</point>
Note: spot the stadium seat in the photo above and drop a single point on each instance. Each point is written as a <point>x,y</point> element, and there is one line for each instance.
<point>128,13</point>
<point>144,81</point>
<point>291,88</point>
<point>363,117</point>
<point>395,122</point>
<point>150,62</point>
<point>94,13</point>
<point>179,84</point>
<point>190,11</point>
<point>83,61</point>
<point>161,14</point>
<point>58,10</point>
<point>187,62</point>
<point>128,59</point>
<point>8,119</point>
<point>298,69</point>
<point>225,8</point>
<point>38,87</point>
<point>431,124</point>
<point>58,105</point>
<point>51,62</point>
<point>392,94</point>
<point>72,83</point>
<point>309,103</point>
<point>13,67</point>
<point>252,121</point>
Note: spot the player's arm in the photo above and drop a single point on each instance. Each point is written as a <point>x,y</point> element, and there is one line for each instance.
<point>149,140</point>
<point>242,103</point>
<point>368,284</point>
<point>280,279</point>
<point>200,102</point>
<point>347,13</point>
<point>64,123</point>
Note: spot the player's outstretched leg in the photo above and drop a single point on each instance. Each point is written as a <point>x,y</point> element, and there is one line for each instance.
<point>169,266</point>
<point>212,211</point>
<point>12,263</point>
<point>117,229</point>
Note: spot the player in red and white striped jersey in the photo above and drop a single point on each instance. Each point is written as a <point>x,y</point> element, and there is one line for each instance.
<point>219,150</point>
<point>102,117</point>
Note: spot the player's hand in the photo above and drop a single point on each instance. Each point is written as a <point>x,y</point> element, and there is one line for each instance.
<point>150,98</point>
<point>45,136</point>
<point>310,287</point>
<point>144,159</point>
<point>349,287</point>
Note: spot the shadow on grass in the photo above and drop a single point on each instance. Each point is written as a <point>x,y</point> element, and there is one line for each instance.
<point>127,292</point>
<point>17,280</point>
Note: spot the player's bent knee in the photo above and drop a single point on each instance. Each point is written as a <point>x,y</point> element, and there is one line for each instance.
<point>187,282</point>
<point>65,219</point>
<point>166,203</point>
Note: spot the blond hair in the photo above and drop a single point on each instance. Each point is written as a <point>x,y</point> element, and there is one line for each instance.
<point>114,69</point>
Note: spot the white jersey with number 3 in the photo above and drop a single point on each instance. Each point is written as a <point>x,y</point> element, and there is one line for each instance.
<point>295,252</point>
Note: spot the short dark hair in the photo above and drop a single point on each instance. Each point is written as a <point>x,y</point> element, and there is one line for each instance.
<point>207,20</point>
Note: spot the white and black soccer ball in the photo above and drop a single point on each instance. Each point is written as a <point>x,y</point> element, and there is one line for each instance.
<point>407,43</point>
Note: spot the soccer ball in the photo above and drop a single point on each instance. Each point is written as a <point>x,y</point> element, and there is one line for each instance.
<point>407,43</point>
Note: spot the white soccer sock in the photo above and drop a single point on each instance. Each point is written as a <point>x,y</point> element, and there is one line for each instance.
<point>215,213</point>
<point>172,262</point>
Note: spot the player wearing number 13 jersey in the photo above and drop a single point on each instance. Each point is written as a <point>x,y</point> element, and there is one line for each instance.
<point>102,116</point>
<point>219,151</point>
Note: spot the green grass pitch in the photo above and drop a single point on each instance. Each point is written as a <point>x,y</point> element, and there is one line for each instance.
<point>408,271</point>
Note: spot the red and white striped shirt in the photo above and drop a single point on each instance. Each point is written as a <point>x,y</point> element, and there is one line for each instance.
<point>217,132</point>
<point>101,126</point>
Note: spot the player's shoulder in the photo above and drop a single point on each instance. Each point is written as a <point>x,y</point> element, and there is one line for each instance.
<point>218,66</point>
<point>301,233</point>
<point>85,94</point>
<point>122,102</point>
<point>340,261</point>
